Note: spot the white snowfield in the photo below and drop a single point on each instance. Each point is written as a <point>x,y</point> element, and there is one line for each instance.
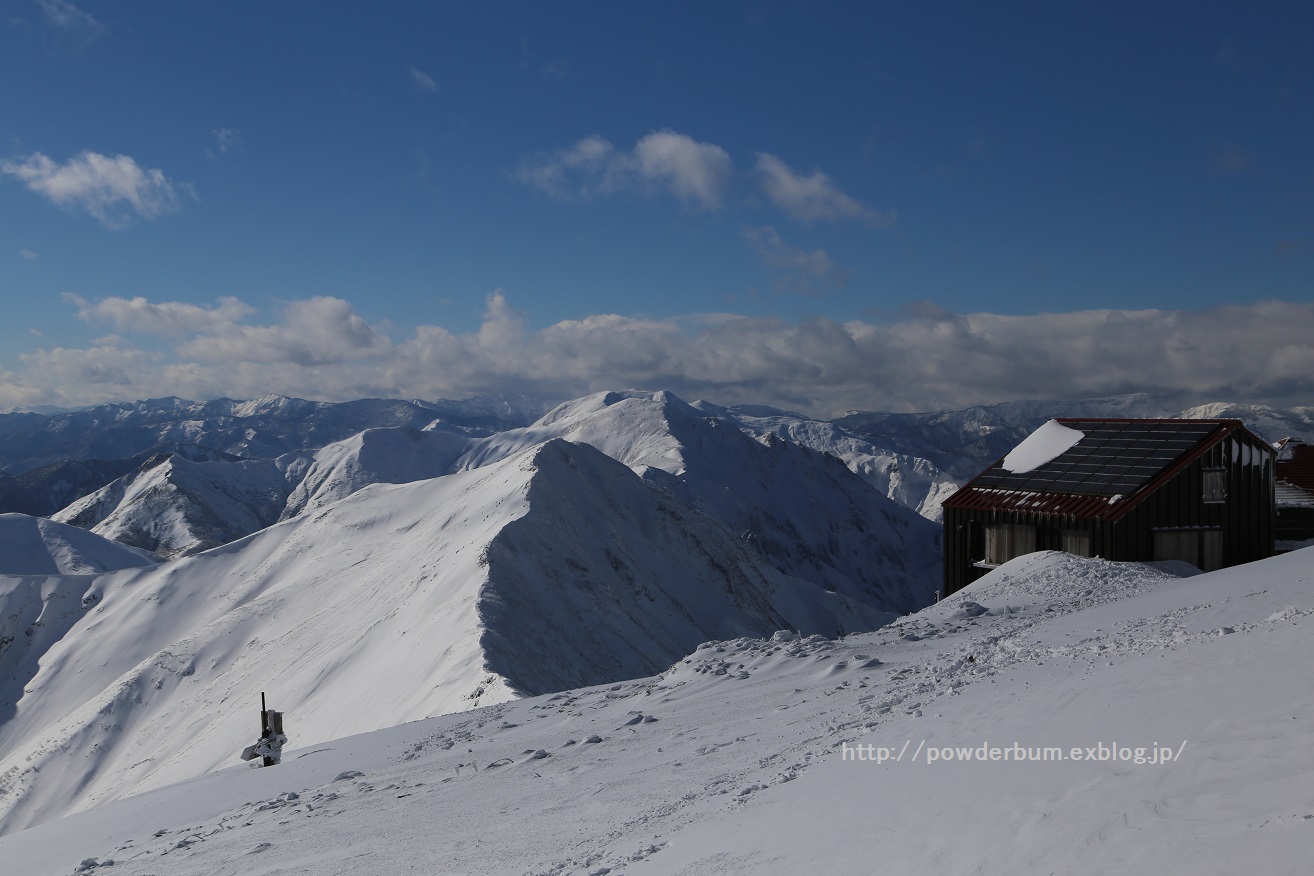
<point>734,759</point>
<point>552,568</point>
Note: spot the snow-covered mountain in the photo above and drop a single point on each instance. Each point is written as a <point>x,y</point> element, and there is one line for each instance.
<point>397,455</point>
<point>43,491</point>
<point>173,507</point>
<point>804,510</point>
<point>37,546</point>
<point>551,568</point>
<point>1271,424</point>
<point>1164,726</point>
<point>908,480</point>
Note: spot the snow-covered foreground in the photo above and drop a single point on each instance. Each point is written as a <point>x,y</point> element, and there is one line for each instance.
<point>734,761</point>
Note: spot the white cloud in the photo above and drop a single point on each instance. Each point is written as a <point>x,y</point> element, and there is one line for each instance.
<point>316,331</point>
<point>166,318</point>
<point>695,172</point>
<point>108,188</point>
<point>227,140</point>
<point>27,254</point>
<point>578,171</point>
<point>423,81</point>
<point>812,197</point>
<point>798,270</point>
<point>67,17</point>
<point>929,360</point>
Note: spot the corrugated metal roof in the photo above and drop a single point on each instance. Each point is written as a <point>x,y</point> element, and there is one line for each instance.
<point>1115,464</point>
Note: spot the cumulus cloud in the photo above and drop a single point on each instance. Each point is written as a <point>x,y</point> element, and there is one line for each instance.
<point>797,270</point>
<point>423,81</point>
<point>111,189</point>
<point>167,317</point>
<point>812,197</point>
<point>695,172</point>
<point>314,332</point>
<point>929,359</point>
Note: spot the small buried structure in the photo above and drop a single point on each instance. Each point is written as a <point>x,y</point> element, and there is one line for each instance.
<point>1295,495</point>
<point>1194,490</point>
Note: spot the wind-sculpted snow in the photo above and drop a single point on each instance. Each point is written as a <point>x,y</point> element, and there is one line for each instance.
<point>553,567</point>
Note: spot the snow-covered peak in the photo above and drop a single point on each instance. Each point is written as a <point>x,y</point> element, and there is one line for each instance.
<point>641,429</point>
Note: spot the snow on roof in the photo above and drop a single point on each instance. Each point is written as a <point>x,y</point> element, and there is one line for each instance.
<point>1046,444</point>
<point>1289,495</point>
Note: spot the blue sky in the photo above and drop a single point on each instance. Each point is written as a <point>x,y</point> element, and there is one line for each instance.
<point>823,206</point>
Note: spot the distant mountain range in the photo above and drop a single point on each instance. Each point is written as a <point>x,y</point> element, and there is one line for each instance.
<point>318,452</point>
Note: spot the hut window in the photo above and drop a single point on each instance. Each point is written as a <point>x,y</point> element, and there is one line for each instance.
<point>1215,485</point>
<point>1004,541</point>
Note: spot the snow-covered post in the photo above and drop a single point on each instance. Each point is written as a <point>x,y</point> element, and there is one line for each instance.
<point>269,747</point>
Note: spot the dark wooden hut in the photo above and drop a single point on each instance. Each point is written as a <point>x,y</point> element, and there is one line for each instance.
<point>1295,495</point>
<point>1195,490</point>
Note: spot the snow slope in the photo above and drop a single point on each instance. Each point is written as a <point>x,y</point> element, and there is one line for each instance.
<point>174,507</point>
<point>553,568</point>
<point>37,546</point>
<point>742,769</point>
<point>804,510</point>
<point>396,455</point>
